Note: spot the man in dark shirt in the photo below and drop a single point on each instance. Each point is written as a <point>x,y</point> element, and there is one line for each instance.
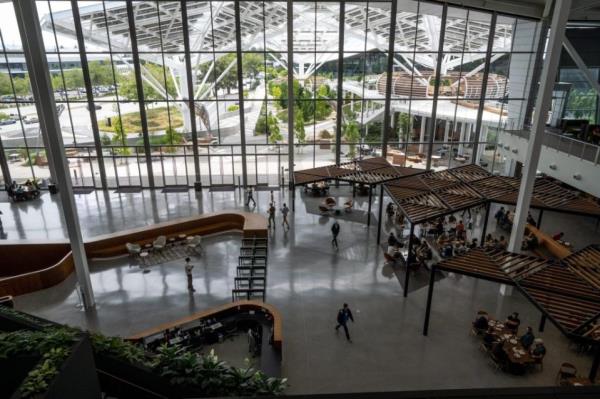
<point>335,230</point>
<point>539,351</point>
<point>527,338</point>
<point>344,314</point>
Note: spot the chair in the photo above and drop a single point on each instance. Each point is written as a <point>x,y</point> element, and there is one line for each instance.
<point>348,206</point>
<point>194,244</point>
<point>323,209</point>
<point>133,250</point>
<point>538,361</point>
<point>566,370</point>
<point>160,243</point>
<point>330,202</point>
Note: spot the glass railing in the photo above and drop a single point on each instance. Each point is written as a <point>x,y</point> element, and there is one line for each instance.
<point>569,145</point>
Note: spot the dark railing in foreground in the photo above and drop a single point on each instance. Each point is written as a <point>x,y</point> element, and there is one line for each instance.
<point>480,393</point>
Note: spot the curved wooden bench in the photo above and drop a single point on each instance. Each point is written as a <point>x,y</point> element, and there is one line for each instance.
<point>242,306</point>
<point>555,248</point>
<point>30,266</point>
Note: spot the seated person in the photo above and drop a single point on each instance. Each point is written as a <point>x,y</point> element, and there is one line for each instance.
<point>499,216</point>
<point>392,242</point>
<point>452,219</point>
<point>489,241</point>
<point>473,244</point>
<point>539,350</point>
<point>527,338</point>
<point>529,242</point>
<point>498,352</point>
<point>489,337</point>
<point>460,248</point>
<point>501,244</point>
<point>481,323</point>
<point>447,251</point>
<point>513,322</point>
<point>530,220</point>
<point>558,236</point>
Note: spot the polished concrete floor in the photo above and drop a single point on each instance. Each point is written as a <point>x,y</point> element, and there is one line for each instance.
<point>308,281</point>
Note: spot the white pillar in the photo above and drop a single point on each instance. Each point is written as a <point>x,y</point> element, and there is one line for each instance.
<point>482,143</point>
<point>446,131</point>
<point>39,73</point>
<point>542,105</point>
<point>422,136</point>
<point>463,132</point>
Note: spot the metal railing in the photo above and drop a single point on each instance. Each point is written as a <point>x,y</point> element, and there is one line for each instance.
<point>570,146</point>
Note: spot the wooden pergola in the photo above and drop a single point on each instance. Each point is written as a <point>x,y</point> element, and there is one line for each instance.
<point>566,292</point>
<point>368,171</point>
<point>428,196</point>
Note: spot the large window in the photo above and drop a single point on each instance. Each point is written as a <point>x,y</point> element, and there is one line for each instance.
<point>156,92</point>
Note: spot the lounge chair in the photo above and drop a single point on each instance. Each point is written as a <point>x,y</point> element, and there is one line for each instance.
<point>330,202</point>
<point>195,244</point>
<point>160,243</point>
<point>133,250</point>
<point>348,206</point>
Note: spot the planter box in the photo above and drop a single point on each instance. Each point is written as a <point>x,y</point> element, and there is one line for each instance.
<point>126,380</point>
<point>76,377</point>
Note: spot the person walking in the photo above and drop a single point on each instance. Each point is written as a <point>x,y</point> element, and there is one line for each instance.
<point>284,212</point>
<point>250,197</point>
<point>335,230</point>
<point>271,213</point>
<point>344,314</point>
<point>188,272</point>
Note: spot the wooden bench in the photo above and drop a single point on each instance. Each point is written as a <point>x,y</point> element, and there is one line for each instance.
<point>556,249</point>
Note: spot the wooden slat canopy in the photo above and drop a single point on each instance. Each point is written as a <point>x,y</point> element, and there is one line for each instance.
<point>470,185</point>
<point>566,291</point>
<point>369,171</point>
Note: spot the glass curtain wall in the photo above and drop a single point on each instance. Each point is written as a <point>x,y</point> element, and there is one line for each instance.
<point>458,75</point>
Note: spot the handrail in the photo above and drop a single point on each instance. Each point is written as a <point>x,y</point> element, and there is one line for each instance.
<point>571,146</point>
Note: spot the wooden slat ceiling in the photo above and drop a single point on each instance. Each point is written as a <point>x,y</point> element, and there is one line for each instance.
<point>456,187</point>
<point>567,291</point>
<point>369,171</point>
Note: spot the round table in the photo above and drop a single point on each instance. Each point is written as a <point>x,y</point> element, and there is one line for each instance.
<point>144,260</point>
<point>181,238</point>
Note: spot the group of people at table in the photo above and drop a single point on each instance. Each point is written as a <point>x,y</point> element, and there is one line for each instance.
<point>19,192</point>
<point>509,351</point>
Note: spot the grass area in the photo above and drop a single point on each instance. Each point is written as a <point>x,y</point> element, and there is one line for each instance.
<point>158,119</point>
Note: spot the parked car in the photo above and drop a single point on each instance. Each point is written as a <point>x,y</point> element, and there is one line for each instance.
<point>96,107</point>
<point>31,119</point>
<point>7,122</point>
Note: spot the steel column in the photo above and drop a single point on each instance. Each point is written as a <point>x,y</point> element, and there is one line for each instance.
<point>290,93</point>
<point>238,46</point>
<point>39,74</point>
<point>370,201</point>
<point>89,91</point>
<point>432,129</point>
<point>485,223</point>
<point>486,72</point>
<point>190,88</point>
<point>140,90</point>
<point>595,365</point>
<point>4,165</point>
<point>340,87</point>
<point>410,244</point>
<point>544,98</point>
<point>380,215</point>
<point>429,298</point>
<point>388,93</point>
<point>542,323</point>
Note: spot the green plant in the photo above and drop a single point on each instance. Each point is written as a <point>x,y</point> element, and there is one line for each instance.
<point>324,134</point>
<point>299,127</point>
<point>105,139</point>
<point>118,348</point>
<point>39,378</point>
<point>24,317</point>
<point>233,107</point>
<point>352,134</point>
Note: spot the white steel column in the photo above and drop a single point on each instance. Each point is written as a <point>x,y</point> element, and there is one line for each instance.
<point>422,136</point>
<point>482,143</point>
<point>446,131</point>
<point>461,140</point>
<point>542,105</point>
<point>39,75</point>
